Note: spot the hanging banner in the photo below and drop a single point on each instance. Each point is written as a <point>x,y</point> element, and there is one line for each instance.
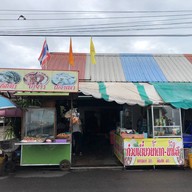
<point>163,151</point>
<point>31,80</point>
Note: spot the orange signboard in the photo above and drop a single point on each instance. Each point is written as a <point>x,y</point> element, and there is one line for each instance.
<point>31,80</point>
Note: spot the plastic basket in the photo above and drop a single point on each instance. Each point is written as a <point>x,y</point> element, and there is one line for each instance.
<point>60,140</point>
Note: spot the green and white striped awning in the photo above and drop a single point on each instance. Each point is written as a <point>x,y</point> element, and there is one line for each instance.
<point>142,94</point>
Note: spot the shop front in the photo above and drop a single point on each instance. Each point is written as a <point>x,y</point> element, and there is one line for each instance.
<point>147,129</point>
<point>143,80</point>
<point>36,91</point>
<point>157,142</point>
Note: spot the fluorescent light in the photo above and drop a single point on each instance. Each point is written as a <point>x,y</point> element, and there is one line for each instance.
<point>84,96</point>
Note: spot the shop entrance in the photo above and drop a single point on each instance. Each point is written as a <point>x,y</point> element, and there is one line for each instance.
<point>98,121</point>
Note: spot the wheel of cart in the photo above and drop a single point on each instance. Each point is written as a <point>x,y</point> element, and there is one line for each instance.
<point>65,165</point>
<point>8,147</point>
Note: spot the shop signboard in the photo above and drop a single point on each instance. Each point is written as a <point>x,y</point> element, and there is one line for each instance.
<point>159,151</point>
<point>37,80</point>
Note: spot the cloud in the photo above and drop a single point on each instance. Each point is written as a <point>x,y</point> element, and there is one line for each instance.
<point>152,46</point>
<point>14,55</point>
<point>142,45</point>
<point>23,52</point>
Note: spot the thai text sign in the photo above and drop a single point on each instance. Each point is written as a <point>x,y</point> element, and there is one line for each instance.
<point>38,80</point>
<point>163,151</point>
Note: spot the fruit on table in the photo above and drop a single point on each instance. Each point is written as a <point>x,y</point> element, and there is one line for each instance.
<point>62,136</point>
<point>32,139</point>
<point>48,140</point>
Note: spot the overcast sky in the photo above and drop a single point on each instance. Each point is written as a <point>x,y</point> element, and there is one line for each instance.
<point>23,52</point>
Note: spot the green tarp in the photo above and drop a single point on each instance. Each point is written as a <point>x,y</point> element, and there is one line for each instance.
<point>178,95</point>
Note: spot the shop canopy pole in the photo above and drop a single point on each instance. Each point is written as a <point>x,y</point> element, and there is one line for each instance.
<point>71,104</point>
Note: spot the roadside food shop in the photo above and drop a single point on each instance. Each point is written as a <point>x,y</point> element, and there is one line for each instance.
<point>40,143</point>
<point>140,84</point>
<point>157,139</point>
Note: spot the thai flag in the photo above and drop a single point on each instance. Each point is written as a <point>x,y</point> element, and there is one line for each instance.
<point>45,55</point>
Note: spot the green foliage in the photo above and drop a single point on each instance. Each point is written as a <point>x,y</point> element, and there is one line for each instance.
<point>9,133</point>
<point>26,102</point>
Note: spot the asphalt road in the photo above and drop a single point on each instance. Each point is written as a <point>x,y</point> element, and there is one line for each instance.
<point>100,180</point>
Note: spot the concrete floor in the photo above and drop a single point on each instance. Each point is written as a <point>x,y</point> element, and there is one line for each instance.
<point>97,151</point>
<point>104,180</point>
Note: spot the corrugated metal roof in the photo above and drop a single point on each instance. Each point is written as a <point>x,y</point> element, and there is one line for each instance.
<point>107,68</point>
<point>189,57</point>
<point>126,67</point>
<point>141,68</point>
<point>59,61</point>
<point>176,68</point>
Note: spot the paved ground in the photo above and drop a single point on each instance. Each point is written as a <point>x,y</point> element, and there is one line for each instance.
<point>101,180</point>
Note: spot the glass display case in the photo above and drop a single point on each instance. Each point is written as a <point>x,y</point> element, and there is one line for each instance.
<point>166,121</point>
<point>126,118</point>
<point>39,122</point>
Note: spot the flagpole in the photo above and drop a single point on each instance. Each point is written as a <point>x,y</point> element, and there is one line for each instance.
<point>69,65</point>
<point>47,60</point>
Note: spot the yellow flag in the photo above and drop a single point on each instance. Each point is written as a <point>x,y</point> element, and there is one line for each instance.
<point>71,59</point>
<point>92,52</point>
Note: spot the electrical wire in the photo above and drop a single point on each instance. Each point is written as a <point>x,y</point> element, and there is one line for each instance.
<point>98,35</point>
<point>93,11</point>
<point>145,23</point>
<point>102,24</point>
<point>116,29</point>
<point>98,18</point>
<point>108,28</point>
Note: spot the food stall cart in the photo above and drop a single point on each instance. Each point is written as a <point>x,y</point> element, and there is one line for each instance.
<point>39,145</point>
<point>38,142</point>
<point>163,144</point>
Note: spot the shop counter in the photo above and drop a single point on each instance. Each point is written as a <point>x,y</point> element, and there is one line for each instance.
<point>149,151</point>
<point>39,154</point>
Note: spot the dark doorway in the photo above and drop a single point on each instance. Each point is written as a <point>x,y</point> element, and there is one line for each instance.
<point>99,119</point>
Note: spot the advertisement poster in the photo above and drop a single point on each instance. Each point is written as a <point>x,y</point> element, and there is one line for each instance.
<point>163,151</point>
<point>31,80</point>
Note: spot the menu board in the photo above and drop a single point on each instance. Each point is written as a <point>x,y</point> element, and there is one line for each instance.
<point>38,80</point>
